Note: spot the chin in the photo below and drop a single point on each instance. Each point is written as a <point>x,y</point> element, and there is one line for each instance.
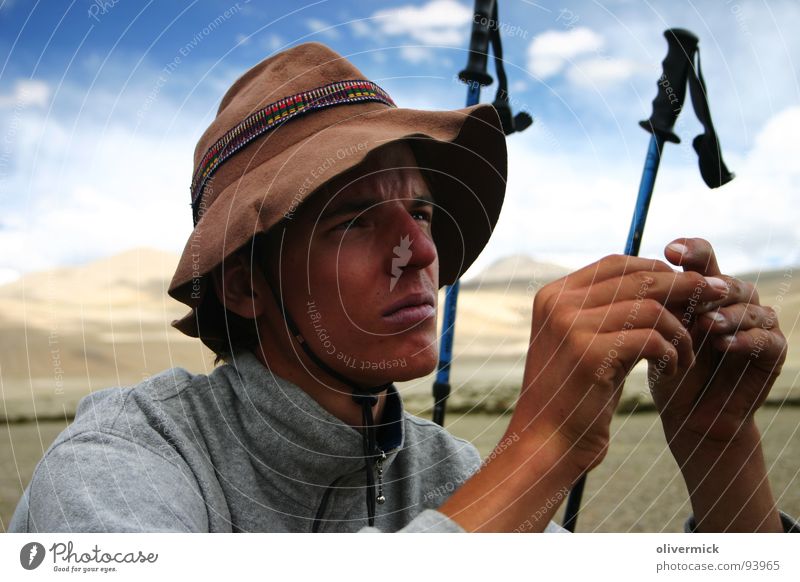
<point>402,366</point>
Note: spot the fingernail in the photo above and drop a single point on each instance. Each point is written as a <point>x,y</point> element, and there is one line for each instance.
<point>679,248</point>
<point>729,339</point>
<point>717,283</point>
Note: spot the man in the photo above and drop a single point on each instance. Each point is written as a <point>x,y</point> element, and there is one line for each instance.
<point>325,220</point>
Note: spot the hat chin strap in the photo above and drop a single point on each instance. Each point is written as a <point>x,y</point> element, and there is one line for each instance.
<point>366,397</point>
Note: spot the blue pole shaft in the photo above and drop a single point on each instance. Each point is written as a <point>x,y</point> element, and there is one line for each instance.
<point>448,329</point>
<point>649,172</point>
<point>441,387</point>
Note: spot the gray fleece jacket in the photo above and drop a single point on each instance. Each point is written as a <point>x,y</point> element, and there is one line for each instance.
<point>237,450</point>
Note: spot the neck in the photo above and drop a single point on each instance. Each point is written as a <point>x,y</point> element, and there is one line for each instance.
<point>329,393</point>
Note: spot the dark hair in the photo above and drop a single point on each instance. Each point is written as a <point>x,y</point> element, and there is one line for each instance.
<point>223,331</point>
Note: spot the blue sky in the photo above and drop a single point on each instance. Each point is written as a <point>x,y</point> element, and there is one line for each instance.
<point>102,102</point>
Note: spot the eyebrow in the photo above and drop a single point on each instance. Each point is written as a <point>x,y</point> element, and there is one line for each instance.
<point>361,204</point>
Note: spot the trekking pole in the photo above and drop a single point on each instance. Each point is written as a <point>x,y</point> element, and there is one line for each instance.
<point>678,68</point>
<point>475,76</point>
<point>485,29</point>
<point>666,107</point>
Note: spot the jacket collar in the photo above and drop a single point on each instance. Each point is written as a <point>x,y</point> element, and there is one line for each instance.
<point>294,443</point>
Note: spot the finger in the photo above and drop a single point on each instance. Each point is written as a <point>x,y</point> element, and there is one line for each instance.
<point>693,254</point>
<point>738,317</point>
<point>635,345</point>
<point>612,266</point>
<point>738,292</point>
<point>640,314</point>
<point>766,345</point>
<point>667,288</point>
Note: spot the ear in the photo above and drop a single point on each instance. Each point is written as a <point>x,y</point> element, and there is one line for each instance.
<point>240,290</point>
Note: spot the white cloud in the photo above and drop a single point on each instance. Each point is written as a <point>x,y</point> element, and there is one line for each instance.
<point>749,62</point>
<point>322,27</point>
<point>96,191</point>
<point>416,54</point>
<point>518,86</point>
<point>776,144</point>
<point>8,275</point>
<point>360,28</point>
<point>273,42</point>
<point>601,71</point>
<point>105,184</point>
<point>550,51</point>
<point>27,92</point>
<point>572,208</point>
<point>78,191</point>
<point>439,22</point>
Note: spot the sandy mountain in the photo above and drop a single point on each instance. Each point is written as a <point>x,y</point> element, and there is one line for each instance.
<point>516,271</point>
<point>72,330</point>
<point>121,284</point>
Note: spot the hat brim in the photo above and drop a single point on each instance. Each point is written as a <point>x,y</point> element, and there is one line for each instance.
<point>462,153</point>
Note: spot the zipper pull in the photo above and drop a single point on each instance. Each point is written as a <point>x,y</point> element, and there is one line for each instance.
<point>381,499</point>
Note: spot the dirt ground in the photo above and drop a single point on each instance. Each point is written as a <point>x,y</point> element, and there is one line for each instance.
<point>637,488</point>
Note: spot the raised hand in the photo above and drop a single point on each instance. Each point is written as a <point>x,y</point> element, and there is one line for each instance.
<point>588,330</point>
<point>740,350</point>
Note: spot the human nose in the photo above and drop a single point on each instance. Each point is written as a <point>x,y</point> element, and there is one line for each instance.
<point>410,242</point>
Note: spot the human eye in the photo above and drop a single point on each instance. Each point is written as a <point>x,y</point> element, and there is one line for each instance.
<point>349,223</point>
<point>423,213</point>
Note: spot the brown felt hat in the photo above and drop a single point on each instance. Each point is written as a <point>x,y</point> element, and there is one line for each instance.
<point>302,117</point>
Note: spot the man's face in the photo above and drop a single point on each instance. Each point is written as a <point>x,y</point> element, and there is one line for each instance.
<point>360,272</point>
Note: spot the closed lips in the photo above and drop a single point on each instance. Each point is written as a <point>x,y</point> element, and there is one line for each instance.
<point>412,300</point>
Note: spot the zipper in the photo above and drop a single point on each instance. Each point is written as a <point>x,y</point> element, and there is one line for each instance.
<point>380,497</point>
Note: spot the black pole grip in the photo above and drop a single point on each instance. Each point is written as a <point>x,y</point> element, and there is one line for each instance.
<point>672,84</point>
<point>479,45</point>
